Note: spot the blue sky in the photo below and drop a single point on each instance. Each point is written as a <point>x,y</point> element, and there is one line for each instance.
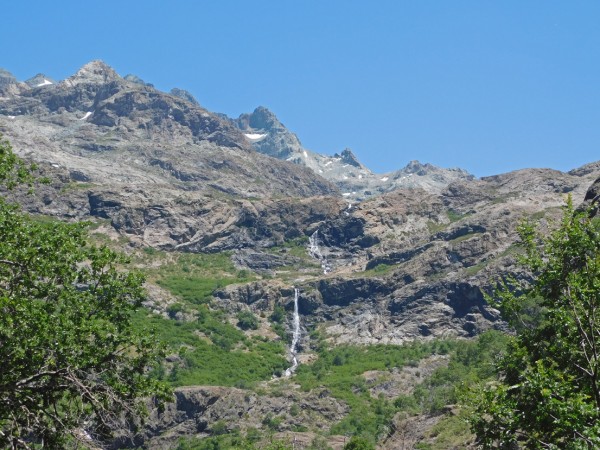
<point>489,86</point>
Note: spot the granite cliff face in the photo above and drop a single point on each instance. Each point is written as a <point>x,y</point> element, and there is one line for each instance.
<point>411,261</point>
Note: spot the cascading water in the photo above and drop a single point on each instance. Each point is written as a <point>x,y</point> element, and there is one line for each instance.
<point>295,336</point>
<point>315,252</point>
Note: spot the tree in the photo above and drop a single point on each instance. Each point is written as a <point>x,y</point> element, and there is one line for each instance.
<point>72,364</point>
<point>247,320</point>
<point>548,394</point>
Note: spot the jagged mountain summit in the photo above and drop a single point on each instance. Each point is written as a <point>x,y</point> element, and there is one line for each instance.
<point>106,127</point>
<point>103,98</point>
<point>356,182</point>
<point>39,80</point>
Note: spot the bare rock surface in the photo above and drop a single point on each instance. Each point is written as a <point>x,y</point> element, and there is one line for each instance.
<point>196,409</point>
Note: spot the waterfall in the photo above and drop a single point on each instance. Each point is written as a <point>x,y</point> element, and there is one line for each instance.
<point>315,252</point>
<point>295,336</point>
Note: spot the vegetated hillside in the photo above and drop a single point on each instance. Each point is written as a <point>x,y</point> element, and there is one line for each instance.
<point>225,234</point>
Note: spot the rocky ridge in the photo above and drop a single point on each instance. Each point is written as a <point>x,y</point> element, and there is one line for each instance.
<point>356,182</point>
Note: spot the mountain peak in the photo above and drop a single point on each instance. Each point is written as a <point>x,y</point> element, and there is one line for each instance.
<point>416,167</point>
<point>6,78</point>
<point>39,80</point>
<point>260,119</point>
<point>185,95</point>
<point>94,72</point>
<point>137,80</point>
<point>350,158</point>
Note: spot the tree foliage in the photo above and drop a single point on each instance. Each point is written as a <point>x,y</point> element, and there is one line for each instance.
<point>548,395</point>
<point>72,365</point>
<point>247,320</point>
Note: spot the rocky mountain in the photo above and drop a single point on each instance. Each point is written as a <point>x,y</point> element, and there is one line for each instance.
<point>106,130</point>
<point>356,182</point>
<point>185,95</point>
<point>39,80</point>
<point>6,78</point>
<point>160,175</point>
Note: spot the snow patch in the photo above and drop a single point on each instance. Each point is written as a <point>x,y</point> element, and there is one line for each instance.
<point>44,83</point>
<point>385,178</point>
<point>346,194</point>
<point>11,117</point>
<point>87,114</point>
<point>360,177</point>
<point>305,154</point>
<point>255,136</point>
<point>328,163</point>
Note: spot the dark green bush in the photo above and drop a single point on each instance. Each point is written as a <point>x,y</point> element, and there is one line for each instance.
<point>247,320</point>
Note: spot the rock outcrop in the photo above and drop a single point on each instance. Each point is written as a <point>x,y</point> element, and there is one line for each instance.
<point>196,411</point>
<point>591,201</point>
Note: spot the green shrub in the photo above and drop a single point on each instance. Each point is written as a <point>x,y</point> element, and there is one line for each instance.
<point>272,422</point>
<point>278,314</point>
<point>247,320</point>
<point>219,427</point>
<point>294,410</point>
<point>173,309</point>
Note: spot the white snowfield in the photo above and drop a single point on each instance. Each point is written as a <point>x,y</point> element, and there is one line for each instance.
<point>305,154</point>
<point>385,178</point>
<point>44,83</point>
<point>255,136</point>
<point>87,114</point>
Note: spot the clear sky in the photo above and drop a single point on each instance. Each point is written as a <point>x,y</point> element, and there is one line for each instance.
<point>489,86</point>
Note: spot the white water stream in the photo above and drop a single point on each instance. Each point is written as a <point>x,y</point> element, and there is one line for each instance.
<point>295,336</point>
<point>315,252</point>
